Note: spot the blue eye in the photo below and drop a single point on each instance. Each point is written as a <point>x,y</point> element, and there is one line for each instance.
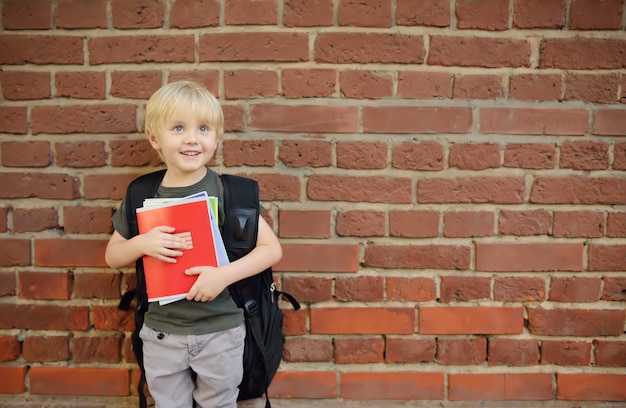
<point>178,128</point>
<point>204,128</point>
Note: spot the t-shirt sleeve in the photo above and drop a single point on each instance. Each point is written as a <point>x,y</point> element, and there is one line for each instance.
<point>120,223</point>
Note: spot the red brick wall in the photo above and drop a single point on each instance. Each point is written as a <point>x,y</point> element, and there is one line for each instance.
<point>447,178</point>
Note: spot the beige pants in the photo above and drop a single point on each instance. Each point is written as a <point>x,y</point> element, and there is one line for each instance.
<point>185,371</point>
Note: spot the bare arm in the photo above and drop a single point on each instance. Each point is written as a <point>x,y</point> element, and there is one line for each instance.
<point>158,242</point>
<point>212,281</point>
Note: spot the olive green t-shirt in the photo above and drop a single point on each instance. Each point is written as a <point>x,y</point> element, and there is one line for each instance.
<point>184,316</point>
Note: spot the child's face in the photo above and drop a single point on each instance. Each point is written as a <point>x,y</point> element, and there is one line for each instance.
<point>186,143</point>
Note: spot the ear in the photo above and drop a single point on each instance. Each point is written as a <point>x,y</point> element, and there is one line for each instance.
<point>153,141</point>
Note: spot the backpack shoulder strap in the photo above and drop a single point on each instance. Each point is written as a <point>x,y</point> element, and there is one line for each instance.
<point>241,215</point>
<point>138,190</point>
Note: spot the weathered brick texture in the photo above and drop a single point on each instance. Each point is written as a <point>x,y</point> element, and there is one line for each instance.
<point>447,179</point>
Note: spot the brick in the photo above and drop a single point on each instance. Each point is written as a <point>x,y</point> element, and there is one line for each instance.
<point>582,53</point>
<point>535,87</point>
<point>49,186</point>
<point>361,155</point>
<point>195,14</point>
<point>278,187</point>
<point>434,13</point>
<point>79,381</point>
<point>35,153</point>
<point>135,84</point>
<point>81,85</point>
<point>359,350</point>
<point>7,284</point>
<point>138,14</point>
<point>304,384</point>
<point>360,223</point>
<point>519,289</point>
<point>41,49</point>
<point>248,153</point>
<point>414,224</point>
<point>417,257</point>
<point>305,153</point>
<point>308,289</point>
<point>83,119</point>
<point>35,219</point>
<point>13,119</point>
<point>606,257</point>
<point>609,122</point>
<point>316,119</point>
<point>112,318</point>
<point>616,225</point>
<point>590,387</point>
<point>513,352</point>
<point>469,52</point>
<point>421,119</point>
<point>66,252</point>
<point>302,349</point>
<point>304,224</point>
<point>4,214</point>
<point>18,86</point>
<point>308,83</point>
<point>251,12</point>
<point>369,48</point>
<point>539,14</point>
<point>578,224</point>
<point>424,85</point>
<point>578,190</point>
<point>319,258</point>
<point>366,84</point>
<point>96,349</point>
<point>464,289</point>
<point>250,83</point>
<point>84,154</point>
<point>106,186</point>
<point>575,289</point>
<point>530,156</point>
<point>40,349</point>
<point>308,13</point>
<point>619,156</point>
<point>482,14</point>
<point>359,288</point>
<point>410,289</point>
<point>295,322</point>
<point>428,156</point>
<point>471,320</point>
<point>15,252</point>
<point>392,386</point>
<point>471,351</point>
<point>529,257</point>
<point>50,317</point>
<point>358,189</point>
<point>359,320</point>
<point>73,14</point>
<point>503,190</point>
<point>594,15</point>
<point>141,48</point>
<point>566,353</point>
<point>20,15</point>
<point>592,88</point>
<point>97,285</point>
<point>10,348</point>
<point>534,121</point>
<point>467,156</point>
<point>524,223</point>
<point>45,285</point>
<point>614,289</point>
<point>133,153</point>
<point>610,353</point>
<point>499,387</point>
<point>457,224</point>
<point>256,46</point>
<point>13,379</point>
<point>575,322</point>
<point>478,87</point>
<point>87,220</point>
<point>368,13</point>
<point>409,350</point>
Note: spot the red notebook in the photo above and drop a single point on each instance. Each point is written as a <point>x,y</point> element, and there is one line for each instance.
<point>191,219</point>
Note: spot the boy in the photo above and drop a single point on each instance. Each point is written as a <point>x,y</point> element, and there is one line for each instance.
<point>193,348</point>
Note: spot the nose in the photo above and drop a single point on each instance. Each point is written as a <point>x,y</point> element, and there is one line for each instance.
<point>191,137</point>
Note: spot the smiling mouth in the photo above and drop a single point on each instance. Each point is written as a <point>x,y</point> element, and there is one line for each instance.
<point>190,153</point>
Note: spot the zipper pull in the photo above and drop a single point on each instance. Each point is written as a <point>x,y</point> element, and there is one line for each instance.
<point>272,289</point>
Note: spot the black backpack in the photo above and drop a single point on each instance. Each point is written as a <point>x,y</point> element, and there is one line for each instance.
<point>256,295</point>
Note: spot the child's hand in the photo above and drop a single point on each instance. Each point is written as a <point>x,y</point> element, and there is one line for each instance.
<point>208,286</point>
<point>160,243</point>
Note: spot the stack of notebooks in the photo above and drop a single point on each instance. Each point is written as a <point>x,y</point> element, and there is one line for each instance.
<point>195,218</point>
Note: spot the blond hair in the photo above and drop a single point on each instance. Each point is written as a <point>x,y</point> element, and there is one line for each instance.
<point>183,98</point>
